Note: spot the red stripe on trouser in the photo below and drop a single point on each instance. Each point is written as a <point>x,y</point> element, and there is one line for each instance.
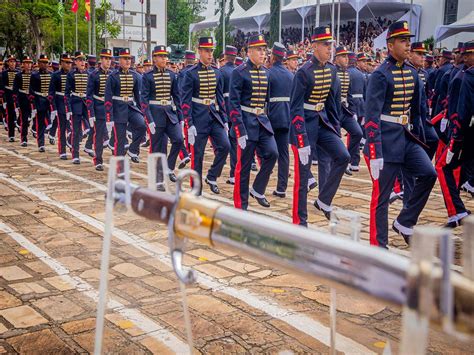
<point>348,141</point>
<point>115,141</point>
<point>374,201</point>
<point>258,159</point>
<point>296,186</point>
<point>397,188</point>
<point>457,175</point>
<point>72,135</point>
<point>94,141</point>
<point>238,170</point>
<point>59,135</point>
<point>192,161</point>
<point>439,150</point>
<point>150,148</point>
<point>448,200</point>
<point>37,129</point>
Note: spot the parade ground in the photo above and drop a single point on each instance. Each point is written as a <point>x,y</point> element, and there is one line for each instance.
<point>51,230</point>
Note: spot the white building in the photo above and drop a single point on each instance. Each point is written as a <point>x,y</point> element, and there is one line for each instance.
<point>133,35</point>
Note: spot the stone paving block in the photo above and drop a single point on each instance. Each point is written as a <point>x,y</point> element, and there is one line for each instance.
<point>3,329</point>
<point>79,326</point>
<point>73,263</point>
<point>24,288</point>
<point>23,317</point>
<point>205,254</point>
<point>214,271</point>
<point>39,267</point>
<point>161,283</point>
<point>261,274</point>
<point>155,346</point>
<point>94,275</point>
<point>113,342</point>
<point>124,324</point>
<point>59,308</point>
<point>44,341</point>
<point>131,290</point>
<point>59,283</point>
<point>208,305</point>
<point>130,270</point>
<point>201,328</point>
<point>291,280</point>
<point>13,273</point>
<point>225,345</point>
<point>237,266</point>
<point>7,300</point>
<point>238,280</point>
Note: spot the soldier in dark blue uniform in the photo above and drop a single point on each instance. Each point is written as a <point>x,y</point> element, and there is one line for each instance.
<point>250,125</point>
<point>21,90</point>
<point>7,95</point>
<point>57,91</point>
<point>95,99</point>
<point>279,89</point>
<point>314,111</point>
<point>348,117</point>
<point>230,54</point>
<point>40,99</point>
<point>204,109</point>
<point>292,61</point>
<point>356,98</point>
<point>159,94</point>
<point>122,107</point>
<point>75,94</point>
<point>91,63</point>
<point>394,129</point>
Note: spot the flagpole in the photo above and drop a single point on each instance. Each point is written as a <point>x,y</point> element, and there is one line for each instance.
<point>123,19</point>
<point>62,29</point>
<point>89,34</point>
<point>143,37</point>
<point>93,32</point>
<point>77,46</point>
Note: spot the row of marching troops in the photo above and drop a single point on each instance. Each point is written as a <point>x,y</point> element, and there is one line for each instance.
<point>256,110</point>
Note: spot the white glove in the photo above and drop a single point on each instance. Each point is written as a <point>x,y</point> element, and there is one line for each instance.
<point>375,166</point>
<point>304,154</point>
<point>34,113</point>
<point>182,125</point>
<point>472,122</point>
<point>192,133</point>
<point>53,115</point>
<point>17,112</point>
<point>354,116</point>
<point>151,127</point>
<point>243,141</point>
<point>109,126</point>
<point>443,124</point>
<point>226,126</point>
<point>4,105</point>
<point>449,156</point>
<point>68,115</point>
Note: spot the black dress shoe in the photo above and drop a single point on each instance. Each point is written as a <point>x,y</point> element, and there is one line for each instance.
<point>312,186</point>
<point>254,167</point>
<point>214,188</point>
<point>406,237</point>
<point>348,172</point>
<point>172,177</point>
<point>279,194</point>
<point>230,181</point>
<point>41,149</point>
<point>76,161</point>
<point>99,167</point>
<point>327,214</point>
<point>146,144</point>
<point>457,223</point>
<point>160,187</point>
<point>90,152</point>
<point>183,163</point>
<point>63,157</point>
<point>261,201</point>
<point>24,144</point>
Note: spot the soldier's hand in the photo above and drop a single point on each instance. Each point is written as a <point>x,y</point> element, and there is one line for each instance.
<point>192,133</point>
<point>443,124</point>
<point>91,121</point>
<point>33,113</point>
<point>449,156</point>
<point>4,105</point>
<point>355,116</point>
<point>304,154</point>
<point>242,141</point>
<point>226,126</point>
<point>109,126</point>
<point>53,115</point>
<point>472,122</point>
<point>375,166</point>
<point>68,115</point>
<point>152,127</point>
<point>182,126</point>
<point>17,112</point>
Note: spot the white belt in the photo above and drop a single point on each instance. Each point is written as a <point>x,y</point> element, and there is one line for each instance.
<point>358,96</point>
<point>402,119</point>
<point>41,94</point>
<point>318,107</point>
<point>226,94</point>
<point>100,98</point>
<point>9,87</point>
<point>23,92</point>
<point>279,99</point>
<point>123,98</point>
<point>207,102</point>
<point>59,93</point>
<point>78,94</point>
<point>161,102</point>
<point>255,110</point>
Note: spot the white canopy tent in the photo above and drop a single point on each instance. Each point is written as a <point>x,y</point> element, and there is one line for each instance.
<point>466,24</point>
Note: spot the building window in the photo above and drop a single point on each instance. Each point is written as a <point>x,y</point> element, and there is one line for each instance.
<point>450,11</point>
<point>153,21</point>
<point>128,20</point>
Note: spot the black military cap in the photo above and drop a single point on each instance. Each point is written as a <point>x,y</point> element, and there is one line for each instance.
<point>160,50</point>
<point>399,29</point>
<point>79,55</point>
<point>106,52</point>
<point>66,57</point>
<point>279,49</point>
<point>43,58</point>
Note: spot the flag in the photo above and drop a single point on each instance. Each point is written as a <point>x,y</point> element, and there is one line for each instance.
<point>88,9</point>
<point>75,6</point>
<point>60,8</point>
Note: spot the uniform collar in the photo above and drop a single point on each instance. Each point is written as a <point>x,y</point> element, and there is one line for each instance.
<point>252,65</point>
<point>229,64</point>
<point>158,70</point>
<point>394,61</point>
<point>278,63</point>
<point>340,68</point>
<point>316,61</point>
<point>207,67</point>
<point>121,70</point>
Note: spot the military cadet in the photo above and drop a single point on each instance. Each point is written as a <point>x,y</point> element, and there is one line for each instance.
<point>122,100</point>
<point>57,89</point>
<point>279,89</point>
<point>428,65</point>
<point>91,63</point>
<point>55,65</point>
<point>54,124</point>
<point>40,99</point>
<point>2,103</point>
<point>204,109</point>
<point>292,61</point>
<point>21,90</point>
<point>95,99</point>
<point>7,95</point>
<point>239,61</point>
<point>230,54</point>
<point>75,96</point>
<point>348,117</point>
<point>147,65</point>
<point>314,110</point>
<point>393,126</point>
<point>250,125</point>
<point>159,102</point>
<point>356,98</point>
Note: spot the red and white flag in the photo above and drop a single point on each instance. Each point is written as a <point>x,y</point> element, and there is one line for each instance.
<point>75,6</point>
<point>88,9</point>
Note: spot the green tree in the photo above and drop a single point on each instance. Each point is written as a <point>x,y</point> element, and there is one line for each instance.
<point>247,4</point>
<point>228,28</point>
<point>274,21</point>
<point>181,14</point>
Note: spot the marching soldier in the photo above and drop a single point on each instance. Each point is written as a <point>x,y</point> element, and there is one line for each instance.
<point>91,63</point>
<point>2,103</point>
<point>122,100</point>
<point>250,125</point>
<point>314,109</point>
<point>95,105</point>
<point>204,109</point>
<point>279,91</point>
<point>40,99</point>
<point>292,61</point>
<point>348,117</point>
<point>147,65</point>
<point>21,90</point>
<point>75,94</point>
<point>7,96</point>
<point>57,91</point>
<point>356,98</point>
<point>229,56</point>
<point>158,97</point>
<point>393,130</point>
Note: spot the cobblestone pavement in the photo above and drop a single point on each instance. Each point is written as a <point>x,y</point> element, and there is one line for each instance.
<point>51,227</point>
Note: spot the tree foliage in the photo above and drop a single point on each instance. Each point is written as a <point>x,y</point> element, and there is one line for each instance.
<point>274,21</point>
<point>181,14</point>
<point>228,28</point>
<point>247,4</point>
